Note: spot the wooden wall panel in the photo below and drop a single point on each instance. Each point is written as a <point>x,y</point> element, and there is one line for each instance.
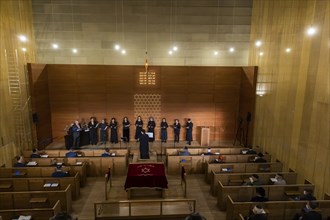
<point>208,95</point>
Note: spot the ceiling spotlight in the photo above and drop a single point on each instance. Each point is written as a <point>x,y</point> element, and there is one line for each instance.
<point>123,51</point>
<point>74,50</point>
<point>258,43</point>
<point>288,50</point>
<point>231,49</point>
<point>170,52</point>
<point>117,47</point>
<point>175,48</point>
<point>261,53</point>
<point>311,31</point>
<point>215,53</point>
<point>22,38</point>
<point>24,49</point>
<point>55,46</point>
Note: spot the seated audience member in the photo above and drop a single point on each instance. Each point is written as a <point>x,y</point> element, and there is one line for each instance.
<point>35,153</point>
<point>209,152</point>
<point>257,213</point>
<point>253,181</point>
<point>71,153</point>
<point>259,159</point>
<point>308,212</point>
<point>307,195</point>
<point>62,216</point>
<point>195,216</point>
<point>278,180</point>
<point>59,173</point>
<point>106,153</point>
<point>20,162</point>
<point>184,152</point>
<point>260,195</point>
<point>220,159</point>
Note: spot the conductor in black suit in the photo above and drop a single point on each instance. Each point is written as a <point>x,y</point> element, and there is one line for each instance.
<point>144,145</point>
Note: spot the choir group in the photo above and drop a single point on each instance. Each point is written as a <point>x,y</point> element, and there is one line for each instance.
<point>92,126</point>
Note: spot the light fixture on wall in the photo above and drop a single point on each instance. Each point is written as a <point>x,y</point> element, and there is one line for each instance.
<point>311,31</point>
<point>22,38</point>
<point>288,50</point>
<point>258,43</point>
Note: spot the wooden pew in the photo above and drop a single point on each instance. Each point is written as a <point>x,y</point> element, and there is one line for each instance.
<point>199,162</point>
<point>38,184</point>
<point>36,213</point>
<point>245,193</point>
<point>95,166</point>
<point>83,152</point>
<point>214,150</point>
<point>236,179</point>
<point>36,199</point>
<point>284,210</point>
<point>242,168</point>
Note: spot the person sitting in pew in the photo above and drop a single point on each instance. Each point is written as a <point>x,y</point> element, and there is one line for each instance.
<point>259,159</point>
<point>260,195</point>
<point>209,152</point>
<point>71,153</point>
<point>307,195</point>
<point>63,216</point>
<point>278,179</point>
<point>184,152</point>
<point>35,153</point>
<point>20,162</point>
<point>106,153</point>
<point>252,181</point>
<point>257,213</point>
<point>309,212</point>
<point>59,173</point>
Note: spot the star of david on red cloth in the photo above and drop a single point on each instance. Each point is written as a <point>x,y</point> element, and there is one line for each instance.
<point>145,170</point>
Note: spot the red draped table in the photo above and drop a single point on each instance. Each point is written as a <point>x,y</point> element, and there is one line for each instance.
<point>146,175</point>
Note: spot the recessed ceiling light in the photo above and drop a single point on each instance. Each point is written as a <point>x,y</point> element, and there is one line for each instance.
<point>117,47</point>
<point>22,38</point>
<point>231,49</point>
<point>288,50</point>
<point>175,48</point>
<point>215,53</point>
<point>311,31</point>
<point>74,50</point>
<point>24,49</point>
<point>170,52</point>
<point>55,46</point>
<point>261,53</point>
<point>258,43</point>
<point>123,51</point>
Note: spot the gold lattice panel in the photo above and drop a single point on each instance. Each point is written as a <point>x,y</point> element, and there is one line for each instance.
<point>147,105</point>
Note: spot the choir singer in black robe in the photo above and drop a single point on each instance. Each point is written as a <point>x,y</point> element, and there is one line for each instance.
<point>113,129</point>
<point>144,145</point>
<point>126,126</point>
<point>189,127</point>
<point>138,125</point>
<point>92,127</point>
<point>163,130</point>
<point>176,127</point>
<point>151,128</point>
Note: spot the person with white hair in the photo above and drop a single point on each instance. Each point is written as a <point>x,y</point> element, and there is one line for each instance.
<point>257,213</point>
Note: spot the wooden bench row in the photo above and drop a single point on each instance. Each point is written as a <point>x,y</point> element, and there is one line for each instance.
<point>236,179</point>
<point>82,152</point>
<point>284,210</point>
<point>214,150</point>
<point>41,184</point>
<point>241,168</point>
<point>36,199</point>
<point>245,193</point>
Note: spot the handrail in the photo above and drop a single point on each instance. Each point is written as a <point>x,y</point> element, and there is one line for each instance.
<point>98,207</point>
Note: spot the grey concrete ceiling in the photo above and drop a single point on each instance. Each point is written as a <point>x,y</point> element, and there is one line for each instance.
<point>197,27</point>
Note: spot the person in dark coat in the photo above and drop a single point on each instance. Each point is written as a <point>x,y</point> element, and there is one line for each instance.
<point>113,133</point>
<point>260,195</point>
<point>144,145</point>
<point>189,127</point>
<point>177,128</point>
<point>35,153</point>
<point>92,127</point>
<point>126,125</point>
<point>151,128</point>
<point>106,153</point>
<point>307,195</point>
<point>308,212</point>
<point>138,126</point>
<point>76,128</point>
<point>59,173</point>
<point>71,153</point>
<point>259,158</point>
<point>103,132</point>
<point>20,162</point>
<point>163,130</point>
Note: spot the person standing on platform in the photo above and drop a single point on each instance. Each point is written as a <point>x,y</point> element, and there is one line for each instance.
<point>126,125</point>
<point>92,127</point>
<point>151,128</point>
<point>144,145</point>
<point>138,125</point>
<point>113,129</point>
<point>163,130</point>
<point>189,127</point>
<point>177,128</point>
<point>103,132</point>
<point>76,134</point>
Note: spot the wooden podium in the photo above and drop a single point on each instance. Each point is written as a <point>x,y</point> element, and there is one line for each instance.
<point>204,136</point>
